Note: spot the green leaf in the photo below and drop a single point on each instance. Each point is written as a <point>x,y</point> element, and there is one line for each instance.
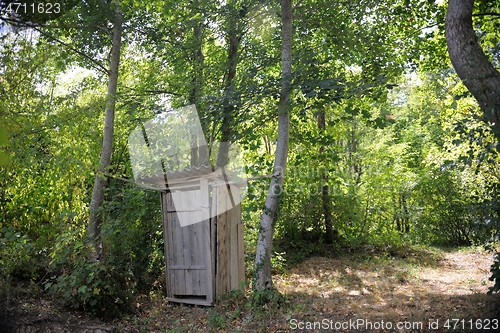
<point>82,289</point>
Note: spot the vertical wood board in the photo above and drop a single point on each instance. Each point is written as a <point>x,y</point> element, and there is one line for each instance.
<point>222,250</point>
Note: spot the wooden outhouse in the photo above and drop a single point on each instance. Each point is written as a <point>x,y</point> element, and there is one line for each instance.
<point>203,232</point>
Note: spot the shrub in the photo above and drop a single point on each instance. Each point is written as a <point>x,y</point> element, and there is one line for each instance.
<point>132,257</point>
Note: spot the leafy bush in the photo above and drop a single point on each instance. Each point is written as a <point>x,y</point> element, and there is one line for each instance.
<point>300,219</point>
<point>18,255</point>
<point>445,217</point>
<point>91,285</point>
<point>133,257</point>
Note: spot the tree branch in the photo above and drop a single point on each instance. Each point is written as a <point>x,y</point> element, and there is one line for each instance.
<point>161,92</point>
<point>129,91</point>
<point>486,14</point>
<point>78,26</point>
<point>92,60</point>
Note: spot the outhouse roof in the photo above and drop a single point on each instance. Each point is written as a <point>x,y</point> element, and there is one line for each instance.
<point>186,174</point>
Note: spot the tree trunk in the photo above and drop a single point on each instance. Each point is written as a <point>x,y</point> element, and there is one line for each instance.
<point>100,183</point>
<point>471,64</point>
<point>234,39</point>
<point>355,165</point>
<point>262,265</point>
<point>199,152</point>
<point>325,196</point>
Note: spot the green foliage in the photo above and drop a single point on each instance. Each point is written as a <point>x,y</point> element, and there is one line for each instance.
<point>393,183</point>
<point>92,286</point>
<point>133,230</point>
<point>495,274</point>
<point>133,247</point>
<point>271,297</point>
<point>444,217</point>
<point>18,257</point>
<point>4,158</point>
<point>218,321</point>
<point>278,262</point>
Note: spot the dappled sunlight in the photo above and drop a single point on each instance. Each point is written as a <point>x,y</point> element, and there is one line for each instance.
<point>243,166</point>
<point>408,286</point>
<point>389,288</point>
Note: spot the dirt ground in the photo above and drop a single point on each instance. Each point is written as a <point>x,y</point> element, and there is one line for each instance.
<point>416,290</point>
<point>420,291</point>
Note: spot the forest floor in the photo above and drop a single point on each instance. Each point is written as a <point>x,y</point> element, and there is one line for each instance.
<point>405,290</point>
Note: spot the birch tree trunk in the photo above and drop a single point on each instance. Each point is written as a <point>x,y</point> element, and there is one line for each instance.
<point>470,62</point>
<point>262,265</point>
<point>100,183</point>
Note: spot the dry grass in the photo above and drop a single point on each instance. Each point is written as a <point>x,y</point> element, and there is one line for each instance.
<point>418,287</point>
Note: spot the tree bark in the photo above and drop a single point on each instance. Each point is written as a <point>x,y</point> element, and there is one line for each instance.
<point>262,265</point>
<point>470,62</point>
<point>199,152</point>
<point>234,39</point>
<point>325,196</point>
<point>100,183</point>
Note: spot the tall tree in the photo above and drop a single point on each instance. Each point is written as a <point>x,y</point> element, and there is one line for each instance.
<point>325,196</point>
<point>479,76</point>
<point>107,141</point>
<point>262,265</point>
<point>471,64</point>
<point>234,35</point>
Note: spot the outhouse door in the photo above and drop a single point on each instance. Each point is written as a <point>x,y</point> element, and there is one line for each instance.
<point>189,268</point>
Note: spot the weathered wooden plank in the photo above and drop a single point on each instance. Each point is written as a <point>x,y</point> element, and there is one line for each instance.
<point>196,211</point>
<point>222,244</point>
<point>204,240</point>
<point>195,243</point>
<point>204,199</point>
<point>212,276</point>
<point>241,253</point>
<point>188,267</point>
<point>234,218</point>
<point>167,243</point>
<point>178,255</point>
<point>174,259</point>
<point>170,203</point>
<point>206,278</point>
<point>239,269</point>
<point>233,241</point>
<point>186,229</point>
<point>195,301</point>
<point>216,241</point>
<point>192,275</point>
